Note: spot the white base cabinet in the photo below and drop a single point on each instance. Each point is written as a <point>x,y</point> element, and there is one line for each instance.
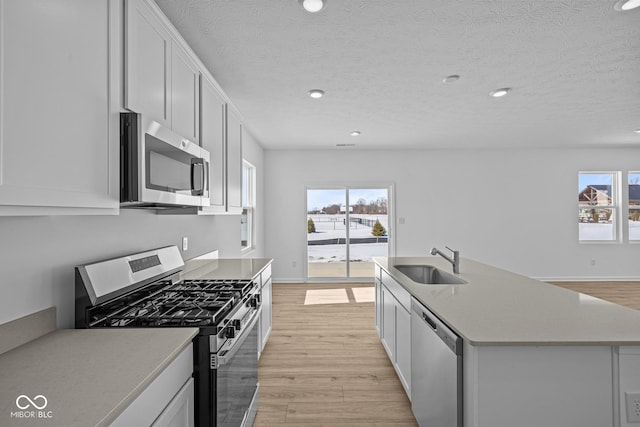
<point>265,316</point>
<point>393,304</point>
<point>59,109</point>
<point>167,401</point>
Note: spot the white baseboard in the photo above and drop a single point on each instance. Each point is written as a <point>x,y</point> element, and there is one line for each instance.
<point>287,280</point>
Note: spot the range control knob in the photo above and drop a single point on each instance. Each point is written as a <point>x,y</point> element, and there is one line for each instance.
<point>253,302</point>
<point>236,323</point>
<point>229,332</point>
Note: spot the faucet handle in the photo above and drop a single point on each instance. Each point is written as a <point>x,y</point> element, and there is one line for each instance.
<point>451,249</point>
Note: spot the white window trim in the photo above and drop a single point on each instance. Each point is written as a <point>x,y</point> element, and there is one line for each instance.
<point>617,206</point>
<point>250,207</point>
<point>628,208</point>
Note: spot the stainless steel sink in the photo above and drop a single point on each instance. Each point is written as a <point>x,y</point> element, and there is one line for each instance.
<point>429,275</point>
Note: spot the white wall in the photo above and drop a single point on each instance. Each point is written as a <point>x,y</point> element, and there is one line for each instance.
<point>514,209</point>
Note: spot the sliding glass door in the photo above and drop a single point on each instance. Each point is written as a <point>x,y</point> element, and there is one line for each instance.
<point>346,227</point>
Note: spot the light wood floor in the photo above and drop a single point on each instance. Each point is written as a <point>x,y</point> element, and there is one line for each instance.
<point>623,293</point>
<point>324,365</point>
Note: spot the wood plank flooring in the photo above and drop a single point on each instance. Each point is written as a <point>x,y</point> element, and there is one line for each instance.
<point>324,365</point>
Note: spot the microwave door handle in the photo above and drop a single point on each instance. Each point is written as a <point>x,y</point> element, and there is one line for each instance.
<point>197,191</point>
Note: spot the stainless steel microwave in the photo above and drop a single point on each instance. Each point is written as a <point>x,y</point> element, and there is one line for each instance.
<point>159,168</point>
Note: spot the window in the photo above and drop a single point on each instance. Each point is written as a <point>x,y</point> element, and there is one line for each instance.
<point>598,202</point>
<point>634,206</point>
<point>248,206</point>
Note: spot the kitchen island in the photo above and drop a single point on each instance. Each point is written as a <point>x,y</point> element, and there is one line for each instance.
<point>533,354</point>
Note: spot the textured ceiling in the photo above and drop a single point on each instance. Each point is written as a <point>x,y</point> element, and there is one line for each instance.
<point>574,66</point>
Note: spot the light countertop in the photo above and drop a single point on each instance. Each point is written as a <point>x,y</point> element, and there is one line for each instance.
<point>498,307</point>
<point>236,268</point>
<point>88,376</point>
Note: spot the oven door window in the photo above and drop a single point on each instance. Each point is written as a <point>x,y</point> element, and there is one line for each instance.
<point>170,169</point>
<point>236,382</point>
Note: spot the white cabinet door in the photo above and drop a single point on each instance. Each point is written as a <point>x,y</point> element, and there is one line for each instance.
<point>165,399</point>
<point>234,163</point>
<point>212,138</point>
<point>265,319</point>
<point>378,305</point>
<point>403,347</point>
<point>388,323</point>
<point>60,85</point>
<point>180,411</point>
<point>185,91</point>
<point>148,63</point>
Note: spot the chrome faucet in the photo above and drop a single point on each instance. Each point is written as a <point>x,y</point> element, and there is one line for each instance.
<point>455,261</point>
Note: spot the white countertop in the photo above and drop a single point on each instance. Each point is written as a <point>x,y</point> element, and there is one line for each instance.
<point>233,268</point>
<point>88,376</point>
<point>498,307</point>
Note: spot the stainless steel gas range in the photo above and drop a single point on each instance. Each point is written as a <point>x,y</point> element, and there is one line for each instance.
<point>144,290</point>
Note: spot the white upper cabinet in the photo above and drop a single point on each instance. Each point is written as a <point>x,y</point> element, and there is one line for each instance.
<point>234,163</point>
<point>59,106</point>
<point>185,88</point>
<point>162,79</point>
<point>147,63</point>
<point>213,139</point>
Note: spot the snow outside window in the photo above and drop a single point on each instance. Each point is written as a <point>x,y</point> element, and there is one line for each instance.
<point>248,206</point>
<point>598,203</point>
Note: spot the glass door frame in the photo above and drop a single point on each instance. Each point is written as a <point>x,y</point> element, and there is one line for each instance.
<point>346,186</point>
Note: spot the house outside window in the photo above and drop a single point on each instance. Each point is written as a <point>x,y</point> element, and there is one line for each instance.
<point>598,205</point>
<point>634,206</point>
<point>247,231</point>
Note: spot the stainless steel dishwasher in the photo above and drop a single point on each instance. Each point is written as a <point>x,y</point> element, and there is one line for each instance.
<point>436,370</point>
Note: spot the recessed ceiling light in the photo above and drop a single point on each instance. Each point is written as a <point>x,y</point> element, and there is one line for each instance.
<point>624,5</point>
<point>316,93</point>
<point>355,133</point>
<point>312,6</point>
<point>345,145</point>
<point>450,79</point>
<point>637,130</point>
<point>500,92</point>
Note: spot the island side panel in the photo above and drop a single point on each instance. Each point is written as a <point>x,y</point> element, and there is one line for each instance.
<point>528,386</point>
<point>629,380</point>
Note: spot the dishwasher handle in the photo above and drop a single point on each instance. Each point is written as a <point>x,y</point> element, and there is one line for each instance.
<point>450,338</point>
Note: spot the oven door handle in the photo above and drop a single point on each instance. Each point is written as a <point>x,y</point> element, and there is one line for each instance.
<point>222,360</point>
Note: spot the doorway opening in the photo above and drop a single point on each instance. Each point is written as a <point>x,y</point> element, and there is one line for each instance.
<point>346,228</point>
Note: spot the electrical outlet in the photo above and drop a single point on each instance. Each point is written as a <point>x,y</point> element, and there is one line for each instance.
<point>593,262</point>
<point>294,264</point>
<point>185,243</point>
<point>633,407</point>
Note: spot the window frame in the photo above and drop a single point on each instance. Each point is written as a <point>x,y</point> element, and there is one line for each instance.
<point>630,207</point>
<point>616,206</point>
<point>248,199</point>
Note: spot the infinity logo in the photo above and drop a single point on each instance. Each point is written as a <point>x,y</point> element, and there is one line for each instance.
<point>30,402</point>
